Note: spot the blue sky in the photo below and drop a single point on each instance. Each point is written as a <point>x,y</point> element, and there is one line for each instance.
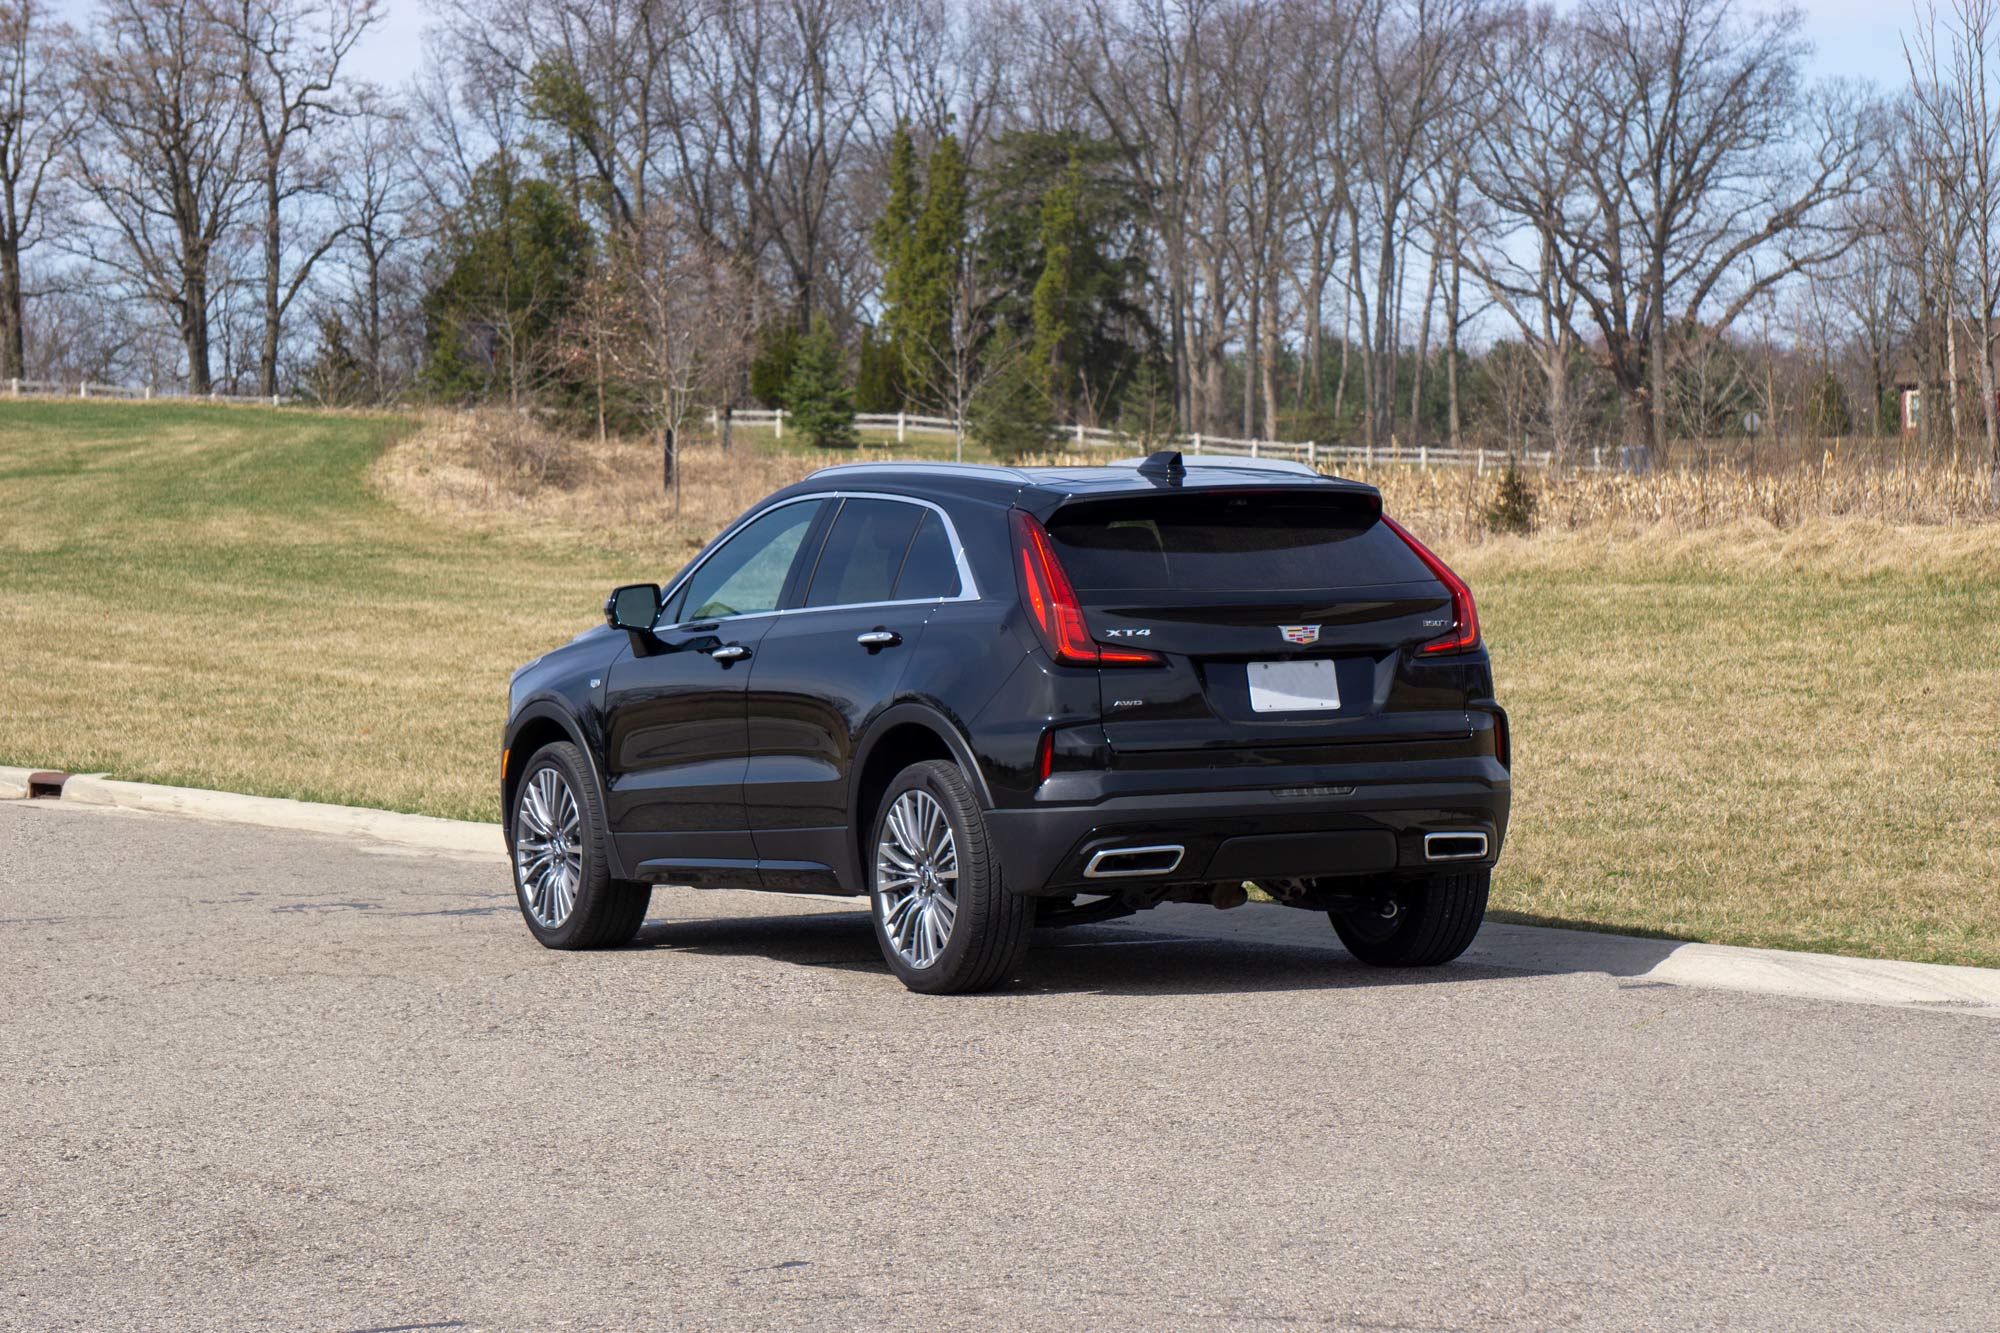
<point>1854,38</point>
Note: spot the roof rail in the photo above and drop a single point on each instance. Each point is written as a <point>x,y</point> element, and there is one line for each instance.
<point>960,469</point>
<point>1240,461</point>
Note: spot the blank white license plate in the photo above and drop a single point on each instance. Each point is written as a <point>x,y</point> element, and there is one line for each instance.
<point>1292,687</point>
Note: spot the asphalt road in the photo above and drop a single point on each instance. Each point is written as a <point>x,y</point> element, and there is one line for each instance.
<point>254,1079</point>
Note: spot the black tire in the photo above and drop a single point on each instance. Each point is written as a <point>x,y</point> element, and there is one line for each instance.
<point>605,912</point>
<point>990,928</point>
<point>1434,921</point>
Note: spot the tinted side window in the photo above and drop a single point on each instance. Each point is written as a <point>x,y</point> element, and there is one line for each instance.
<point>746,574</point>
<point>864,550</point>
<point>930,569</point>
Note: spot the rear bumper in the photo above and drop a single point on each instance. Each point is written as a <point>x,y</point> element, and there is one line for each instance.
<point>1332,825</point>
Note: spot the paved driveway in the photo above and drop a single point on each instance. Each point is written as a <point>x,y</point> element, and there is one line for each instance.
<point>255,1079</point>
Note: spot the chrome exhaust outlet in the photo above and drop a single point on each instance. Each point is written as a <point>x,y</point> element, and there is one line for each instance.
<point>1128,862</point>
<point>1454,846</point>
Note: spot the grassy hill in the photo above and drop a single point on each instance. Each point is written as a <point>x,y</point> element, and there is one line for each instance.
<point>1779,738</point>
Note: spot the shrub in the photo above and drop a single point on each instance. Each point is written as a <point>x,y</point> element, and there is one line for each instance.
<point>1512,508</point>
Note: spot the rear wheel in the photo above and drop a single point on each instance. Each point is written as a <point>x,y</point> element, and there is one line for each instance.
<point>562,873</point>
<point>1417,922</point>
<point>944,919</point>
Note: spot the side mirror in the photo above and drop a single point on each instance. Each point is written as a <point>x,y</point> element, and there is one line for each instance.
<point>633,607</point>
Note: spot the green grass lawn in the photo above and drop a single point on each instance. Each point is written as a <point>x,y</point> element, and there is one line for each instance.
<point>1763,754</point>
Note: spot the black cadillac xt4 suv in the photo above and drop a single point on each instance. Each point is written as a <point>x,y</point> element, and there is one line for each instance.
<point>995,698</point>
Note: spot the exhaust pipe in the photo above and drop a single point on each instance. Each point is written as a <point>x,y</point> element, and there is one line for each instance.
<point>1129,862</point>
<point>1454,846</point>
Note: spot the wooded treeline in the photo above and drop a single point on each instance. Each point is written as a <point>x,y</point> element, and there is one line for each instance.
<point>1614,222</point>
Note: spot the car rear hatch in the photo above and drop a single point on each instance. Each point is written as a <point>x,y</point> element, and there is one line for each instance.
<point>1286,624</point>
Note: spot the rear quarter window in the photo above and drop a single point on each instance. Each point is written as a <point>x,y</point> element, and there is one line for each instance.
<point>1230,542</point>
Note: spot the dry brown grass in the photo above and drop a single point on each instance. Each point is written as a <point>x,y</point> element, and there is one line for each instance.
<point>1644,507</point>
<point>460,468</point>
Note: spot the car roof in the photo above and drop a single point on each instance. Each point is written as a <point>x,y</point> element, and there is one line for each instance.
<point>1036,487</point>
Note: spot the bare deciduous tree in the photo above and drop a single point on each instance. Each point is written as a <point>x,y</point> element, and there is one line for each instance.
<point>288,57</point>
<point>37,123</point>
<point>1952,102</point>
<point>162,156</point>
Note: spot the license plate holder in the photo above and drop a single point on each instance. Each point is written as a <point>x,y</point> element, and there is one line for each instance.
<point>1299,686</point>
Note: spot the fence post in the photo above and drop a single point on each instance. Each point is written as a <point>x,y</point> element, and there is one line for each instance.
<point>1312,454</point>
<point>1423,455</point>
<point>778,423</point>
<point>83,389</point>
<point>1371,453</point>
<point>15,386</point>
<point>1482,460</point>
<point>899,425</point>
<point>1597,457</point>
<point>1197,442</point>
<point>149,391</point>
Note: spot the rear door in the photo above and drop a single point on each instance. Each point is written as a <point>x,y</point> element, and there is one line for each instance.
<point>1288,618</point>
<point>827,667</point>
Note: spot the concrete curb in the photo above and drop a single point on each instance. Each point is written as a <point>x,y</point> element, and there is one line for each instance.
<point>1932,986</point>
<point>446,835</point>
<point>1806,976</point>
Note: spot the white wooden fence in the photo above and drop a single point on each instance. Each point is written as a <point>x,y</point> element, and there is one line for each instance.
<point>87,389</point>
<point>1310,452</point>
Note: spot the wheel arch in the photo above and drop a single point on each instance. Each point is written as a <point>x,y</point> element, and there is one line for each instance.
<point>905,733</point>
<point>539,723</point>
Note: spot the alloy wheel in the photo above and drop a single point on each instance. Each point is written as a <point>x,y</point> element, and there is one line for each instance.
<point>548,847</point>
<point>916,877</point>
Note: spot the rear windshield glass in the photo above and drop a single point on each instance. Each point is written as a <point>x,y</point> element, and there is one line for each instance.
<point>1230,543</point>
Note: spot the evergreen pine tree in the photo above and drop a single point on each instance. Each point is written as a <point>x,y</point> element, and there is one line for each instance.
<point>820,404</point>
<point>1146,407</point>
<point>771,366</point>
<point>894,243</point>
<point>1009,412</point>
<point>1826,407</point>
<point>936,253</point>
<point>877,376</point>
<point>1054,319</point>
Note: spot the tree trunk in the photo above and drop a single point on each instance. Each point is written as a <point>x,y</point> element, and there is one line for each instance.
<point>13,333</point>
<point>1271,360</point>
<point>1252,360</point>
<point>194,331</point>
<point>1423,350</point>
<point>1451,308</point>
<point>374,332</point>
<point>267,356</point>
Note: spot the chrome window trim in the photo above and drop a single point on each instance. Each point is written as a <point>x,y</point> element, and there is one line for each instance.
<point>968,587</point>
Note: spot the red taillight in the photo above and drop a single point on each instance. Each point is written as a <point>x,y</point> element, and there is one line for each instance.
<point>1464,632</point>
<point>1045,755</point>
<point>1051,603</point>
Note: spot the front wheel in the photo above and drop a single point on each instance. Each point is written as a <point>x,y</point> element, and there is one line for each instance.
<point>562,872</point>
<point>944,919</point>
<point>1419,922</point>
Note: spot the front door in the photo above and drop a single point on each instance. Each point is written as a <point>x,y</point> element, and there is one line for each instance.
<point>677,734</point>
